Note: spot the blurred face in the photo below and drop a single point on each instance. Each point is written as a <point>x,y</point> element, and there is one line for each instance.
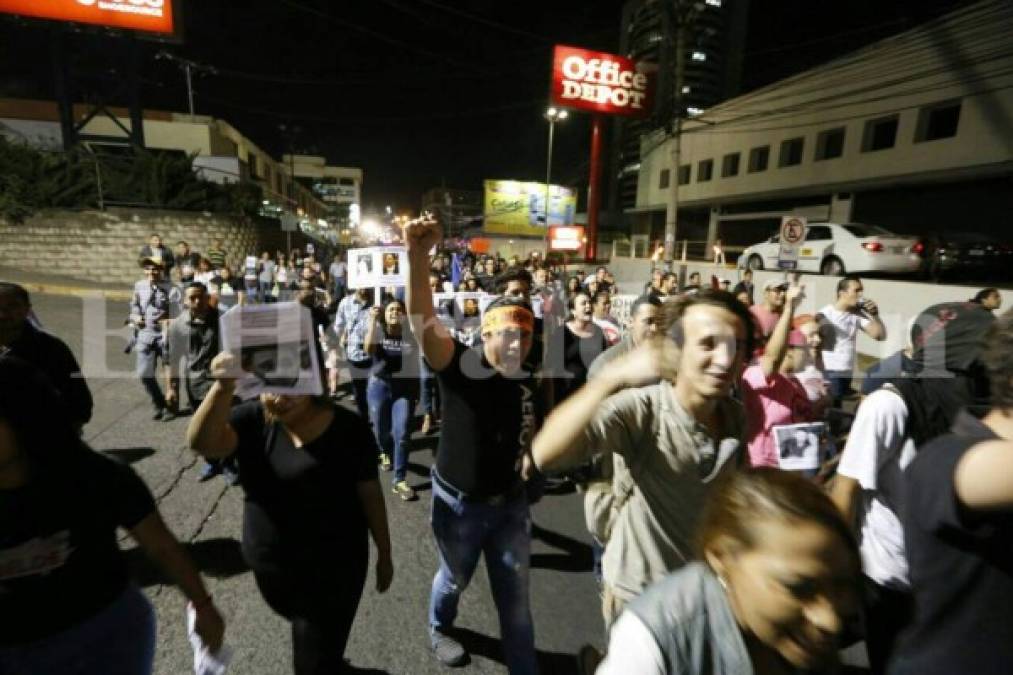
<point>308,273</point>
<point>490,266</point>
<point>694,279</point>
<point>286,409</point>
<point>184,249</point>
<point>152,273</point>
<point>470,307</point>
<point>155,241</point>
<point>602,307</point>
<point>743,297</point>
<point>389,261</point>
<point>506,349</point>
<point>517,289</point>
<point>582,308</point>
<point>471,284</point>
<point>992,301</point>
<point>306,293</point>
<point>204,265</point>
<point>434,284</point>
<point>714,343</point>
<point>541,277</point>
<point>668,284</point>
<point>645,324</point>
<point>196,301</point>
<point>747,275</point>
<point>794,591</point>
<point>13,314</point>
<point>393,314</point>
<point>573,284</point>
<point>774,298</point>
<point>601,274</point>
<point>849,298</point>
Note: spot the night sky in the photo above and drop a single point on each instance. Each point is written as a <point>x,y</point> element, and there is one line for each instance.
<point>425,92</point>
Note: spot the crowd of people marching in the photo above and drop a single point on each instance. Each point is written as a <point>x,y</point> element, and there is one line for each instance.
<point>750,511</point>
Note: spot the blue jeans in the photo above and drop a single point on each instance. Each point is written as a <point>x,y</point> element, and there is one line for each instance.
<point>148,354</point>
<point>840,383</point>
<point>119,640</point>
<point>390,411</point>
<point>463,532</point>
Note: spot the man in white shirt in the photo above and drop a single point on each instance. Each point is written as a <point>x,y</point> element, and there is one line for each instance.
<point>839,326</point>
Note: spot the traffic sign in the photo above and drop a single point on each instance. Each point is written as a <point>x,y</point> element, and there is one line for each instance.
<point>793,229</point>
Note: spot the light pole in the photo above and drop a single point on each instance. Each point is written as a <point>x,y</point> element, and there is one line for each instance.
<point>188,67</point>
<point>553,115</point>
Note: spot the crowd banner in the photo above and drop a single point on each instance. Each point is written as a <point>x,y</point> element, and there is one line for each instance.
<point>275,346</point>
<point>622,311</point>
<point>377,267</point>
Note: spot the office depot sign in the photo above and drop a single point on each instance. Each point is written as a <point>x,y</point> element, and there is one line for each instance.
<point>601,82</point>
<point>148,16</point>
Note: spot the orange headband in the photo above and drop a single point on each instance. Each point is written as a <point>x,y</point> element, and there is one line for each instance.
<point>501,318</point>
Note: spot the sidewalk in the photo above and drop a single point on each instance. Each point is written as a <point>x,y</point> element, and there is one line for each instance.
<point>53,284</point>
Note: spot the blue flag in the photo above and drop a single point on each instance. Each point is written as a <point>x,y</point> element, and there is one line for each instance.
<point>455,269</point>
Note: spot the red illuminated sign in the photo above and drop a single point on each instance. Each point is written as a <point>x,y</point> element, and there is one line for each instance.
<point>149,16</point>
<point>601,82</point>
<point>569,238</point>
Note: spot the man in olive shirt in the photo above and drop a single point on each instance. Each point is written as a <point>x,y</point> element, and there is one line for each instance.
<point>677,437</point>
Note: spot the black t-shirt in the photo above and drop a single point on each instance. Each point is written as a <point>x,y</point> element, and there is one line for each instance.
<point>60,563</point>
<point>50,355</point>
<point>578,354</point>
<point>488,422</point>
<point>301,504</point>
<point>396,359</point>
<point>961,567</point>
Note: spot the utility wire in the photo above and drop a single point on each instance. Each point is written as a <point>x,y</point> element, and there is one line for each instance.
<point>376,34</point>
<point>487,22</point>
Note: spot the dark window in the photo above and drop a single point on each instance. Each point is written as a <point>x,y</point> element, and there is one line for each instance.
<point>818,233</point>
<point>251,161</point>
<point>346,181</point>
<point>704,170</point>
<point>938,121</point>
<point>684,172</point>
<point>730,165</point>
<point>758,158</point>
<point>880,134</point>
<point>791,151</point>
<point>830,144</point>
<point>663,180</point>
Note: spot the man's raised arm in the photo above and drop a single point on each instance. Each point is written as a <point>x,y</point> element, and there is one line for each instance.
<point>437,345</point>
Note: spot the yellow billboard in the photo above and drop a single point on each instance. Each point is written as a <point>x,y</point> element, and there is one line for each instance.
<point>518,208</point>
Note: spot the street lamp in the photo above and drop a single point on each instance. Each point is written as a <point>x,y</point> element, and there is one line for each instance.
<point>553,115</point>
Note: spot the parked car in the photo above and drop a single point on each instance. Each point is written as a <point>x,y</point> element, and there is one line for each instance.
<point>967,255</point>
<point>835,249</point>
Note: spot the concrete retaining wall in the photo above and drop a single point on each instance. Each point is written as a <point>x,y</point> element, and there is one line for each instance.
<point>102,246</point>
<point>899,301</point>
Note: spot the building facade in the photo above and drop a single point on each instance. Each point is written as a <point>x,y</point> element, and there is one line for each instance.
<point>339,187</point>
<point>222,153</point>
<point>713,67</point>
<point>913,133</point>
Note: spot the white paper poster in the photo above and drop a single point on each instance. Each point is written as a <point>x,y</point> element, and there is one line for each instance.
<point>377,266</point>
<point>798,445</point>
<point>276,349</point>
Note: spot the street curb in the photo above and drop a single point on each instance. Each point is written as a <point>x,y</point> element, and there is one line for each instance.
<point>77,291</point>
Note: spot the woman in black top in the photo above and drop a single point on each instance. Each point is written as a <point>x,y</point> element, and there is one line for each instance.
<point>583,341</point>
<point>67,605</point>
<point>312,495</point>
<point>393,389</point>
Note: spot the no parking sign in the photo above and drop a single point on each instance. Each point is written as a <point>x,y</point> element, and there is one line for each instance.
<point>793,229</point>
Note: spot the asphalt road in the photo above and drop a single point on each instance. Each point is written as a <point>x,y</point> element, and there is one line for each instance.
<point>390,633</point>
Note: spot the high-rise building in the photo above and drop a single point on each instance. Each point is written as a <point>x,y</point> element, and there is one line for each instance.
<point>713,66</point>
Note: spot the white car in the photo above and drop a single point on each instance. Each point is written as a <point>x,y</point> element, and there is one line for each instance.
<point>836,250</point>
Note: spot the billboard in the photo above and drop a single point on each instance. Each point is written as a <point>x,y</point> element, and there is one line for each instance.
<point>518,208</point>
<point>566,238</point>
<point>601,82</point>
<point>148,16</point>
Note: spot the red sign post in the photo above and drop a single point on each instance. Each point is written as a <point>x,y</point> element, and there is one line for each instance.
<point>602,84</point>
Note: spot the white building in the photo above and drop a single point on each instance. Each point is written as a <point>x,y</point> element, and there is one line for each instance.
<point>914,133</point>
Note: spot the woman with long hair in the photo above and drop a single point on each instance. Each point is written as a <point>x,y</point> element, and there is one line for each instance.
<point>312,499</point>
<point>583,341</point>
<point>777,585</point>
<point>67,604</point>
<point>393,388</point>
